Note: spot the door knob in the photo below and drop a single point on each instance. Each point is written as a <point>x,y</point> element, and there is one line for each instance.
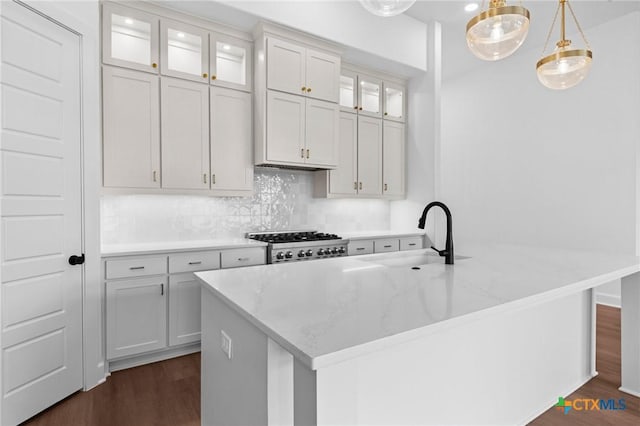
<point>76,260</point>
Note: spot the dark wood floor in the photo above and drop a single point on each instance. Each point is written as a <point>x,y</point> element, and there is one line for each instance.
<point>168,392</point>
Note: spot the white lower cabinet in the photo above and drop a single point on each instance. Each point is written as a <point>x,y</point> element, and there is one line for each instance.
<point>385,245</point>
<point>136,316</point>
<point>184,309</point>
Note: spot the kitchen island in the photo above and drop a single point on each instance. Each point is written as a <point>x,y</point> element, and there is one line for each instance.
<point>494,339</point>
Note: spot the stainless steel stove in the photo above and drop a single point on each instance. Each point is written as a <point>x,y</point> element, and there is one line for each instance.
<point>295,246</point>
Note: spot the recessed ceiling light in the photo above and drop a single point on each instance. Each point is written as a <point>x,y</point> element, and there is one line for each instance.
<point>226,47</point>
<point>128,21</point>
<point>181,35</point>
<point>471,7</point>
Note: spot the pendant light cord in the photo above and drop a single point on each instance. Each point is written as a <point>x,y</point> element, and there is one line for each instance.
<point>578,25</point>
<point>553,24</point>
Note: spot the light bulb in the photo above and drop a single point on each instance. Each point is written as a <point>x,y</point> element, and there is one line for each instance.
<point>564,68</point>
<point>497,32</point>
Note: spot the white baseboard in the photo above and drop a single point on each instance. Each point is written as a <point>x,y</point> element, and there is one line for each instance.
<point>135,361</point>
<point>608,299</point>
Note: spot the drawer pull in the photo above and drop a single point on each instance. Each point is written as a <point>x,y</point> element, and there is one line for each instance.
<point>243,259</point>
<point>412,244</point>
<point>388,246</point>
<point>196,263</point>
<point>359,248</point>
<point>161,289</point>
<point>133,268</point>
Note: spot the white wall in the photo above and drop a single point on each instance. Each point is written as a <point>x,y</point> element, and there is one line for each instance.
<point>524,164</point>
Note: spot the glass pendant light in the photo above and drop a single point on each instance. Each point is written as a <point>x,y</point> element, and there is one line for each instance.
<point>565,67</point>
<point>498,31</point>
<point>387,7</point>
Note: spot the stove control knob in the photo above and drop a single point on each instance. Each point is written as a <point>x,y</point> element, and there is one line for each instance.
<point>301,253</point>
<point>280,255</point>
<point>289,255</point>
<point>334,251</point>
<point>342,250</point>
<point>321,252</point>
<point>309,253</point>
<point>327,251</point>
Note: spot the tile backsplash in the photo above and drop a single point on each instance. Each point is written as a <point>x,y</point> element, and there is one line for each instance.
<point>282,200</point>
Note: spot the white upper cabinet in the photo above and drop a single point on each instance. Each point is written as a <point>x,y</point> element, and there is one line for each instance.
<point>185,134</point>
<point>184,51</point>
<point>295,69</point>
<point>394,102</point>
<point>393,154</point>
<point>131,133</point>
<point>369,156</point>
<point>129,38</point>
<point>343,180</point>
<point>322,123</point>
<point>285,128</point>
<point>230,62</point>
<point>231,140</point>
<point>369,96</point>
<point>349,91</point>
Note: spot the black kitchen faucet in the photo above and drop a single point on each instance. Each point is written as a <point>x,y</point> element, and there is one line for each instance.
<point>447,253</point>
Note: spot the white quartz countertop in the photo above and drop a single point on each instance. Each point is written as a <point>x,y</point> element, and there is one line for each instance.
<point>370,235</point>
<point>326,311</point>
<point>112,250</point>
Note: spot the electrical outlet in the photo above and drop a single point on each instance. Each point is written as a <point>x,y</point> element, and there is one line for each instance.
<point>225,343</point>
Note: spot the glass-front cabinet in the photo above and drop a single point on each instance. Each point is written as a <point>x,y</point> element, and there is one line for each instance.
<point>185,51</point>
<point>394,102</point>
<point>130,38</point>
<point>230,62</point>
<point>369,96</point>
<point>348,92</point>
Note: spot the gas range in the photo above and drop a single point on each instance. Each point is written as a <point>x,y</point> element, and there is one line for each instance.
<point>293,246</point>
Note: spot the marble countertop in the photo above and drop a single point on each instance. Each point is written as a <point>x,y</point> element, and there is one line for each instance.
<point>326,311</point>
<point>112,250</point>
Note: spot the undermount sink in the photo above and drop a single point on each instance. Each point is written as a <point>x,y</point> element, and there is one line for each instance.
<point>412,260</point>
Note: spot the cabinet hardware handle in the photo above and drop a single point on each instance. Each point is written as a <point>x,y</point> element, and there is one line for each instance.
<point>412,244</point>
<point>304,88</point>
<point>204,178</point>
<point>355,107</point>
<point>386,113</point>
<point>360,108</point>
<point>385,187</point>
<point>387,246</point>
<point>213,77</point>
<point>133,268</point>
<point>205,75</point>
<point>301,152</point>
<point>154,65</point>
<point>213,179</point>
<point>308,151</point>
<point>196,263</point>
<point>155,176</point>
<point>308,89</point>
<point>355,185</point>
<point>161,289</point>
<point>360,185</point>
<point>359,248</point>
<point>243,259</point>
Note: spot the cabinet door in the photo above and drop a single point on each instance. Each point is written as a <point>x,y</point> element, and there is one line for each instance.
<point>348,91</point>
<point>285,127</point>
<point>231,62</point>
<point>393,159</point>
<point>129,38</point>
<point>343,179</point>
<point>231,140</point>
<point>185,134</point>
<point>285,66</point>
<point>131,129</point>
<point>184,309</point>
<point>394,102</point>
<point>136,316</point>
<point>322,133</point>
<point>369,156</point>
<point>369,96</point>
<point>185,51</point>
<point>322,76</point>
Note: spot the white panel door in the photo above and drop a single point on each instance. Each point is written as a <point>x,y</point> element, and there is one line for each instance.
<point>285,127</point>
<point>184,309</point>
<point>369,156</point>
<point>343,179</point>
<point>323,76</point>
<point>184,51</point>
<point>136,316</point>
<point>322,129</point>
<point>41,213</point>
<point>231,62</point>
<point>231,140</point>
<point>393,159</point>
<point>131,128</point>
<point>285,67</point>
<point>185,134</point>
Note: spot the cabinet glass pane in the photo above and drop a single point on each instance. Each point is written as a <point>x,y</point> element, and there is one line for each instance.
<point>393,102</point>
<point>347,85</point>
<point>370,96</point>
<point>130,39</point>
<point>231,63</point>
<point>184,52</point>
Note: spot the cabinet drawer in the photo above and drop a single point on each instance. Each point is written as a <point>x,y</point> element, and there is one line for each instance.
<point>388,244</point>
<point>242,257</point>
<point>410,243</point>
<point>360,247</point>
<point>136,267</point>
<point>195,261</point>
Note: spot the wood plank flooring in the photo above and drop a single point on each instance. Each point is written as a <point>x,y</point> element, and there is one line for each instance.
<point>168,393</point>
